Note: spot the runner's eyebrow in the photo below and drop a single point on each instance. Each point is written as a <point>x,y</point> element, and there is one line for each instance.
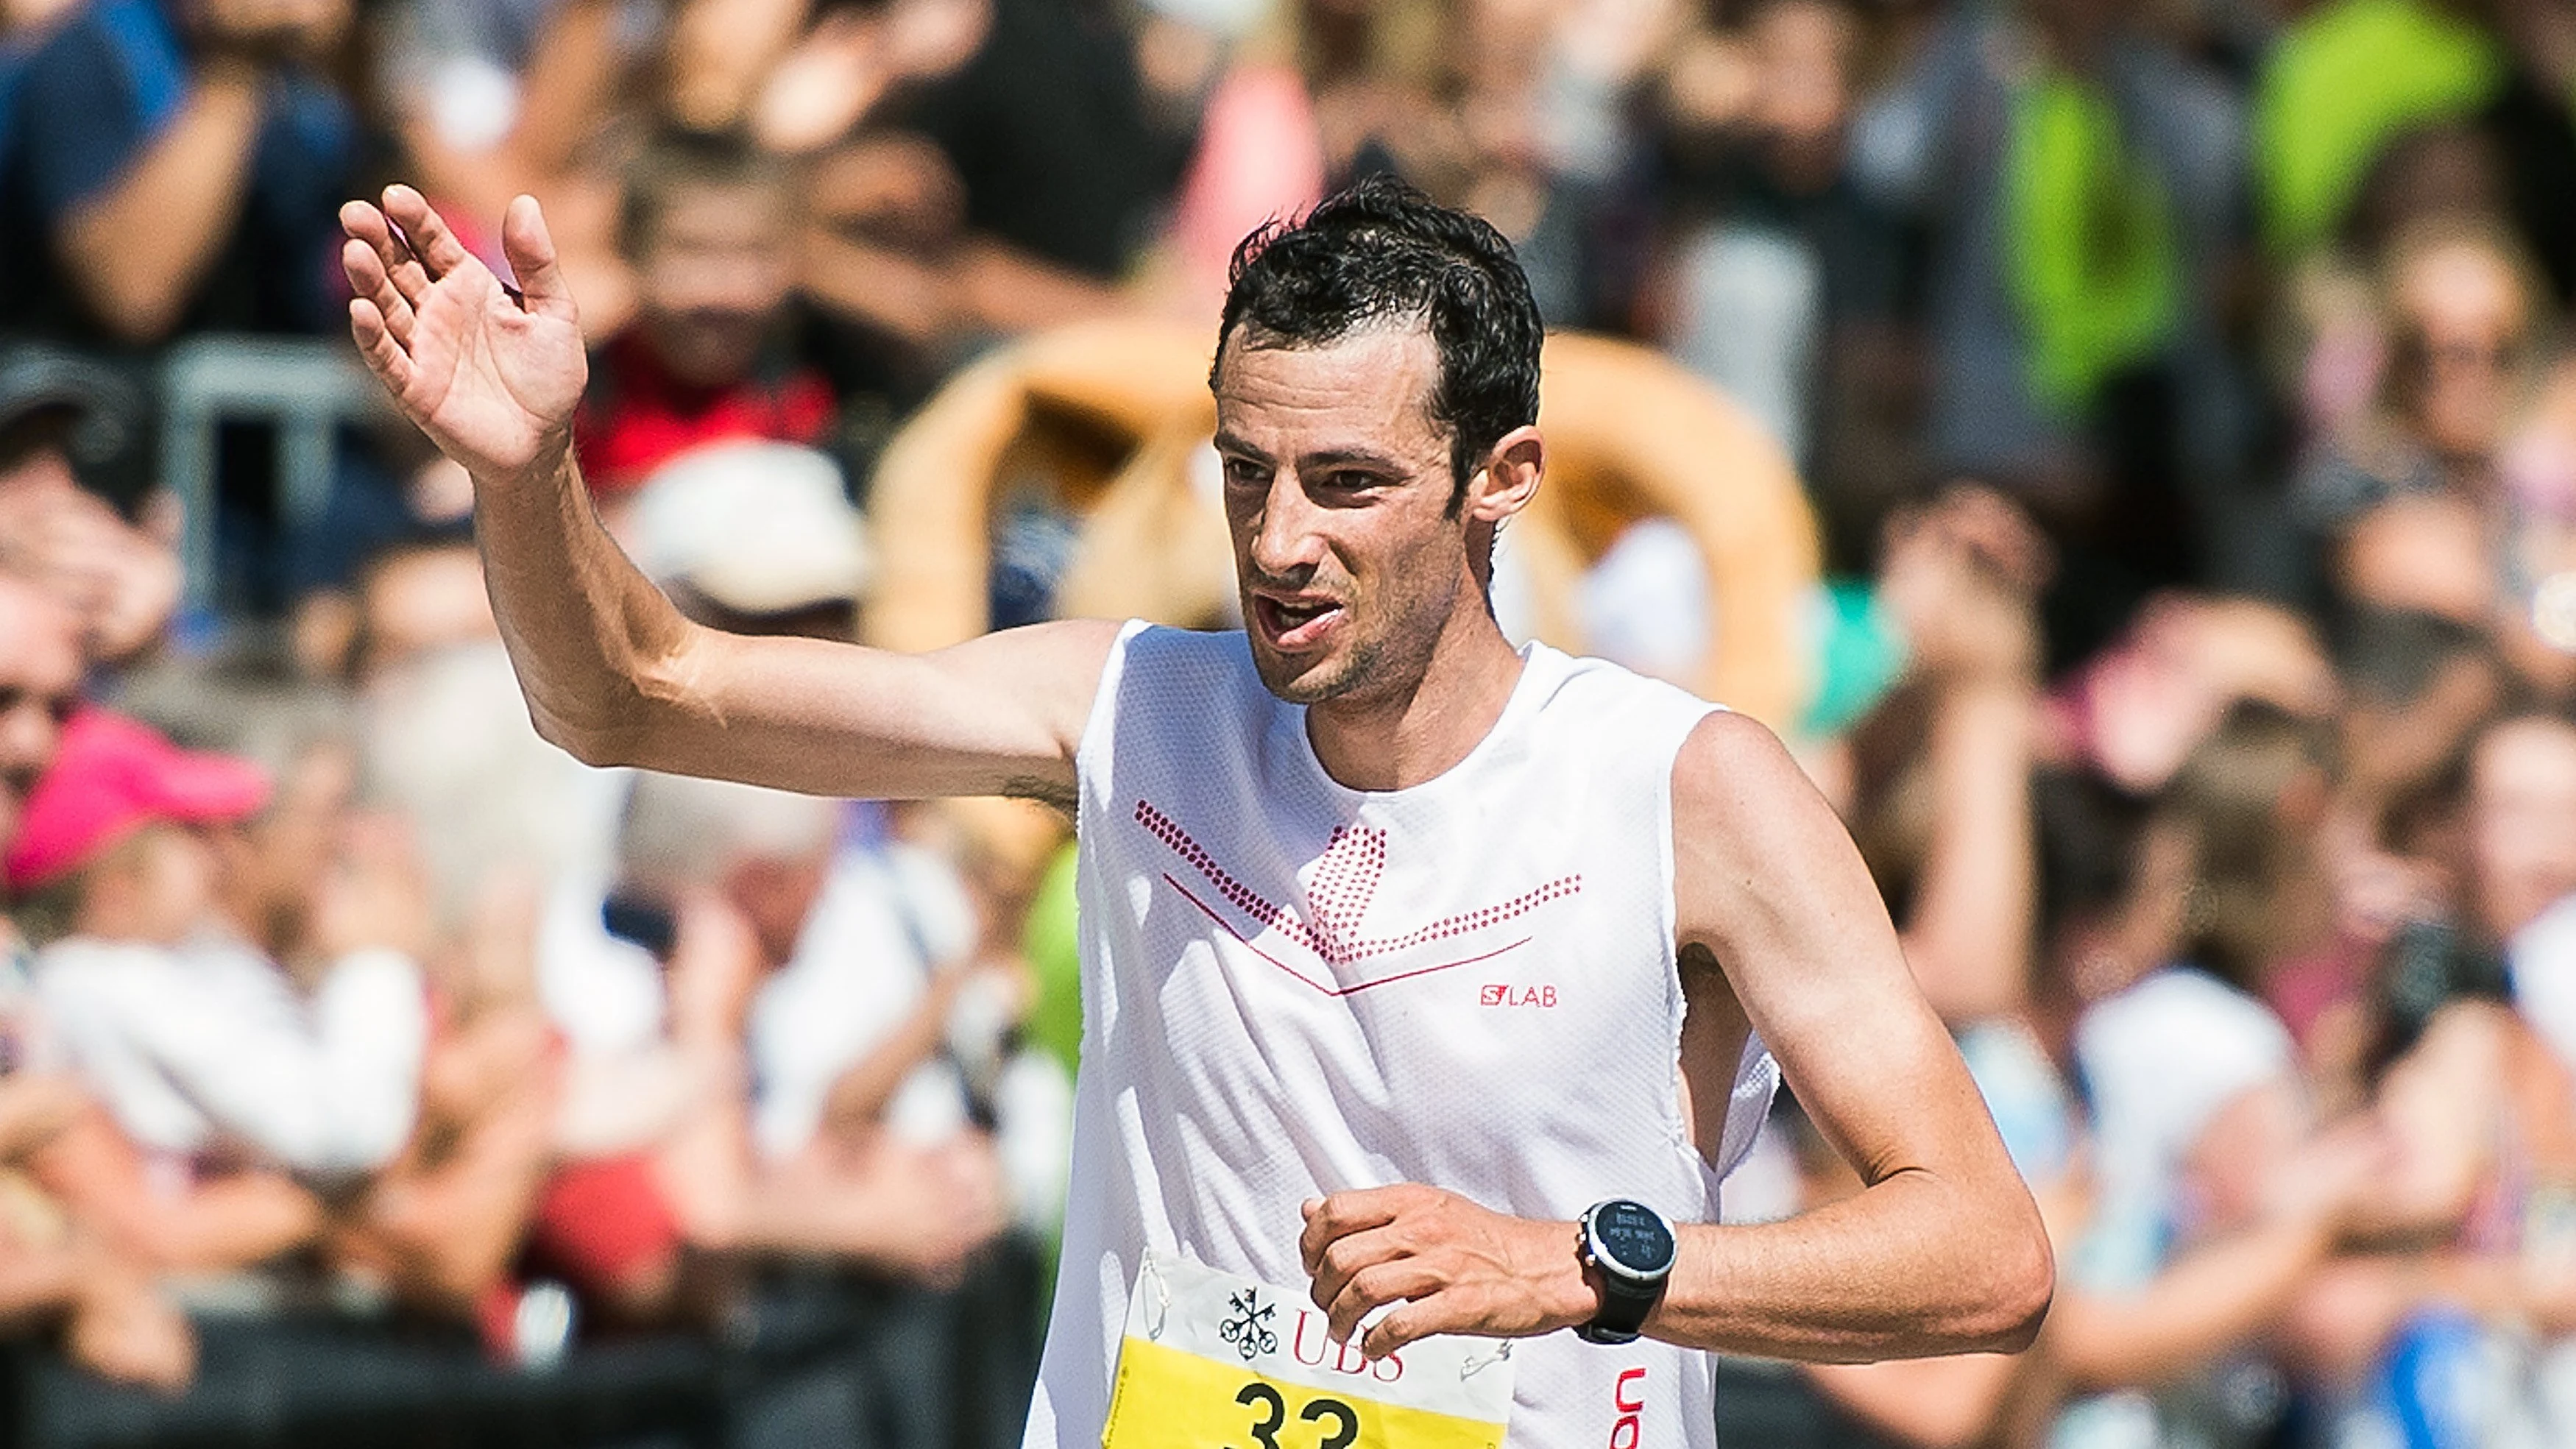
<point>1345,457</point>
<point>1351,458</point>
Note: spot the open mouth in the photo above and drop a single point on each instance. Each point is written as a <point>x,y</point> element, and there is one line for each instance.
<point>1293,624</point>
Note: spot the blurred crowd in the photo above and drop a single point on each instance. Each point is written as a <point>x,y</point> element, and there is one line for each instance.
<point>2180,391</point>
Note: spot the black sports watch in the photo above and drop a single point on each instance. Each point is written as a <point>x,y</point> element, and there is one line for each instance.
<point>1631,1247</point>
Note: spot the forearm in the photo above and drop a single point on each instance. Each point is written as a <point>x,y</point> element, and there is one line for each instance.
<point>36,1107</point>
<point>859,1098</point>
<point>590,636</point>
<point>139,250</point>
<point>1968,936</point>
<point>1912,1266</point>
<point>453,1228</point>
<point>238,1221</point>
<point>1936,1403</point>
<point>232,1222</point>
<point>2218,1296</point>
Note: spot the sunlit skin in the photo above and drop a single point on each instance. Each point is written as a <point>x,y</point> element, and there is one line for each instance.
<point>1364,590</point>
<point>1362,587</point>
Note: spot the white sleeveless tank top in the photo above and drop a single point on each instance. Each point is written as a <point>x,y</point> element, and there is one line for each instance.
<point>1291,988</point>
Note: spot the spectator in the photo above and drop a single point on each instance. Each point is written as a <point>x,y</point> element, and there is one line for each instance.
<point>2071,364</point>
<point>197,1041</point>
<point>40,676</point>
<point>1771,218</point>
<point>2345,79</point>
<point>824,926</point>
<point>709,227</point>
<point>66,436</point>
<point>116,1325</point>
<point>2521,833</point>
<point>174,168</point>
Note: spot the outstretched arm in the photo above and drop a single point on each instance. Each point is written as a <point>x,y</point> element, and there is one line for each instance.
<point>612,672</point>
<point>1942,1251</point>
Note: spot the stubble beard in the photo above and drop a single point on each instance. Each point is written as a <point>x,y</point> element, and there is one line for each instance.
<point>1327,679</point>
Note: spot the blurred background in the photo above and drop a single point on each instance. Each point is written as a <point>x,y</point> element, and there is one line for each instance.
<point>2129,450</point>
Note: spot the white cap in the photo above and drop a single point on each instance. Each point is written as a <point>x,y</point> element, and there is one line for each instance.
<point>755,527</point>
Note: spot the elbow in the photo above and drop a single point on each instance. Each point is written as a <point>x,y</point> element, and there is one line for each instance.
<point>614,718</point>
<point>599,747</point>
<point>2020,1283</point>
<point>603,729</point>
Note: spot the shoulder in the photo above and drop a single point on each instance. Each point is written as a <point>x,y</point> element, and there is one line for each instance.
<point>1755,845</point>
<point>125,49</point>
<point>1731,768</point>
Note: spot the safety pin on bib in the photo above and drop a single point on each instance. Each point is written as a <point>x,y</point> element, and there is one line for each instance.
<point>1473,1365</point>
<point>1162,1300</point>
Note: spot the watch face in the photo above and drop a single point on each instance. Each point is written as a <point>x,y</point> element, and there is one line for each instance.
<point>1631,1236</point>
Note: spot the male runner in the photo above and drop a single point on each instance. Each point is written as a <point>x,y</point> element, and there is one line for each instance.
<point>1402,948</point>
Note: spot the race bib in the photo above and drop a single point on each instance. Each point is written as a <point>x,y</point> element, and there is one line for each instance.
<point>1218,1361</point>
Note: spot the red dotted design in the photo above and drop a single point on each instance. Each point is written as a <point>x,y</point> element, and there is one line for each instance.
<point>1345,882</point>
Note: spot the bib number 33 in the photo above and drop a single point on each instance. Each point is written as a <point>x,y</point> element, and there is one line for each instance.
<point>1214,1360</point>
<point>1272,1406</point>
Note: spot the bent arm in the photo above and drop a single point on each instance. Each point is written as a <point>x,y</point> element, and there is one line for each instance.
<point>1943,1250</point>
<point>138,249</point>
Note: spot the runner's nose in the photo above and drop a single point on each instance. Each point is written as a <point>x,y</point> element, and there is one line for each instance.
<point>1284,542</point>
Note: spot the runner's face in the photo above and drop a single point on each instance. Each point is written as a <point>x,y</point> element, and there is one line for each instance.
<point>40,672</point>
<point>1337,490</point>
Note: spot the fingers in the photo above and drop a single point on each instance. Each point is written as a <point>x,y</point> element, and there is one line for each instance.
<point>376,344</point>
<point>1417,1320</point>
<point>1345,1213</point>
<point>437,247</point>
<point>1345,1257</point>
<point>532,259</point>
<point>1375,1286</point>
<point>367,278</point>
<point>403,277</point>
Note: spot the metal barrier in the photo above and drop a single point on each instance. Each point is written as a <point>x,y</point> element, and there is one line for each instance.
<point>306,388</point>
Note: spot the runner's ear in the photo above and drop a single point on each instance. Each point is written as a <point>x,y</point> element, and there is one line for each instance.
<point>1509,479</point>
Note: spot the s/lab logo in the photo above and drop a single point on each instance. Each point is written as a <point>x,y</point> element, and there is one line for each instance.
<point>1500,993</point>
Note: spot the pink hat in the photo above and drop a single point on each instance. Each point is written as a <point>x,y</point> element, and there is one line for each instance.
<point>111,776</point>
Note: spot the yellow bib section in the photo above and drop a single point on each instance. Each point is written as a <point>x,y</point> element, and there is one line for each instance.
<point>1170,1398</point>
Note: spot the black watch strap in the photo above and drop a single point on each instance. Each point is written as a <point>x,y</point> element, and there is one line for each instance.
<point>1629,1290</point>
<point>1624,1307</point>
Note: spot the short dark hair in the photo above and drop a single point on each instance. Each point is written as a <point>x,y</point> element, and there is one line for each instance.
<point>674,160</point>
<point>1379,251</point>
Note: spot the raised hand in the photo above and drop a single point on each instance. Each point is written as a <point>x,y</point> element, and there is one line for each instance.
<point>490,373</point>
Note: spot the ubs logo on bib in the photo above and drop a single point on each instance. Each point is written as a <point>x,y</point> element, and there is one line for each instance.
<point>1334,956</point>
<point>1249,1329</point>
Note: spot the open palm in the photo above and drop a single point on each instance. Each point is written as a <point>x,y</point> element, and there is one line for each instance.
<point>492,375</point>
